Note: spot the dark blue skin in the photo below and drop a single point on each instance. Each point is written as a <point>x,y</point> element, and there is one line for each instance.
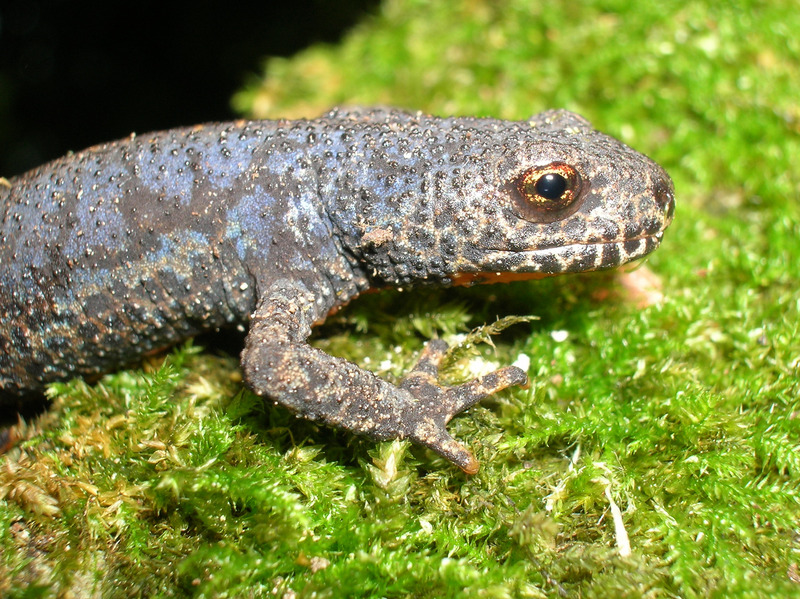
<point>132,246</point>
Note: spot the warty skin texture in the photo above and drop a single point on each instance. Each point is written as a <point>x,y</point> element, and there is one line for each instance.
<point>131,246</point>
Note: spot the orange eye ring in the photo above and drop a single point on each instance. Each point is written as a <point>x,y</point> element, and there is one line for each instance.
<point>549,192</point>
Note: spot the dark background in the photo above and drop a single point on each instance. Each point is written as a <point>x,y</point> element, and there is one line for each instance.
<point>74,74</point>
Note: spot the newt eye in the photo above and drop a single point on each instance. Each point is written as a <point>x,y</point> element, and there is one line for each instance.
<point>549,192</point>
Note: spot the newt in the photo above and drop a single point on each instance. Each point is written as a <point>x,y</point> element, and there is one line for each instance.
<point>131,246</point>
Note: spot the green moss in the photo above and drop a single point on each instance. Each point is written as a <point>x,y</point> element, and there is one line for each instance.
<point>171,480</point>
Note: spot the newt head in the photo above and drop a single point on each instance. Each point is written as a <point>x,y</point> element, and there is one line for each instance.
<point>509,200</point>
<point>564,198</point>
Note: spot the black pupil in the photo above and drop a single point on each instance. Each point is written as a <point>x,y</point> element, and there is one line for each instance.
<point>551,186</point>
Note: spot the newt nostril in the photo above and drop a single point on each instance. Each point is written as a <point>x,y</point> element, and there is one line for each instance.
<point>664,194</point>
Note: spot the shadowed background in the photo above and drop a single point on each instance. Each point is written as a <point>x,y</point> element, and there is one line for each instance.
<point>74,74</point>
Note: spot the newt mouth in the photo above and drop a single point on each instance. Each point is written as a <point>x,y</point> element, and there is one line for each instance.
<point>582,257</point>
<point>506,265</point>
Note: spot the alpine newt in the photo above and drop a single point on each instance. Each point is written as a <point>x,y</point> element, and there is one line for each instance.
<point>131,246</point>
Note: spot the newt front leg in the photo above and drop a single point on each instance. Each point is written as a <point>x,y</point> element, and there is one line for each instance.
<point>437,405</point>
<point>278,363</point>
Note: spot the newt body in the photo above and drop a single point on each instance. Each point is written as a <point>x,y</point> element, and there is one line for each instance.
<point>134,245</point>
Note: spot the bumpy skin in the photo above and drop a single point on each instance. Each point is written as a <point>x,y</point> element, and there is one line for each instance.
<point>131,246</point>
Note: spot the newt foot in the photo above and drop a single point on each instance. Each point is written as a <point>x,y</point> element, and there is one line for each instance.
<point>437,405</point>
